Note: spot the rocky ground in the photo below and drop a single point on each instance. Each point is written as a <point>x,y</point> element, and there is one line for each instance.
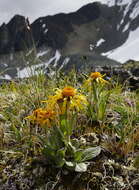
<point>106,172</point>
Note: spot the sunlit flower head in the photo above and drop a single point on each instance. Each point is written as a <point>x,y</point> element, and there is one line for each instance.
<point>68,91</point>
<point>96,77</point>
<point>42,116</point>
<point>66,99</point>
<point>79,102</point>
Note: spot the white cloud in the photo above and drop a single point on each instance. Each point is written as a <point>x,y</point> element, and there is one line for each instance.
<point>36,8</point>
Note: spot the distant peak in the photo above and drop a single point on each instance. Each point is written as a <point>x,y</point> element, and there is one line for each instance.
<point>17,18</point>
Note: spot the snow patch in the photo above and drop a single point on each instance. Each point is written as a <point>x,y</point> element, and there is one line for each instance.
<point>91,47</point>
<point>126,27</point>
<point>135,13</point>
<point>6,76</point>
<point>42,53</point>
<point>45,31</point>
<point>100,42</point>
<point>44,25</point>
<point>129,50</point>
<point>57,57</point>
<point>114,2</point>
<point>65,62</point>
<point>30,70</point>
<point>5,65</point>
<point>35,69</point>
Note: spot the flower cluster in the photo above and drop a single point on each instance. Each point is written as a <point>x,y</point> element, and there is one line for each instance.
<point>64,100</point>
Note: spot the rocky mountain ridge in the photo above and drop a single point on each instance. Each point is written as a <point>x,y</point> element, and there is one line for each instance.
<point>50,31</point>
<point>108,30</point>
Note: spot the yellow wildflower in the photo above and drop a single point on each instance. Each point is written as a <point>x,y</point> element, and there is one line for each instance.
<point>68,91</point>
<point>78,102</point>
<point>96,76</point>
<point>66,99</point>
<point>42,116</point>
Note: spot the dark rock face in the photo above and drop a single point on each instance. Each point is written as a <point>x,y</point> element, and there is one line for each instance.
<point>14,36</point>
<point>75,30</point>
<point>60,25</point>
<point>129,76</point>
<point>135,72</point>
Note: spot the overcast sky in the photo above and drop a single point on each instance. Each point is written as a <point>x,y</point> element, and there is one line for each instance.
<point>36,8</point>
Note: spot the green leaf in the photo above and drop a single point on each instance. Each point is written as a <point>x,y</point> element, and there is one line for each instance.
<point>61,152</point>
<point>66,127</point>
<point>16,132</point>
<point>78,156</point>
<point>49,152</point>
<point>81,167</point>
<point>56,138</point>
<point>60,162</point>
<point>63,122</point>
<point>90,153</point>
<point>70,164</point>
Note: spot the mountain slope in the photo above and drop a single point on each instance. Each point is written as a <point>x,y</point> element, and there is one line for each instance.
<point>129,24</point>
<point>108,30</point>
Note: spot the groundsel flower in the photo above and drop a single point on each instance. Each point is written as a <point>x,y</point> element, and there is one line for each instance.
<point>67,99</point>
<point>42,116</point>
<point>96,77</point>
